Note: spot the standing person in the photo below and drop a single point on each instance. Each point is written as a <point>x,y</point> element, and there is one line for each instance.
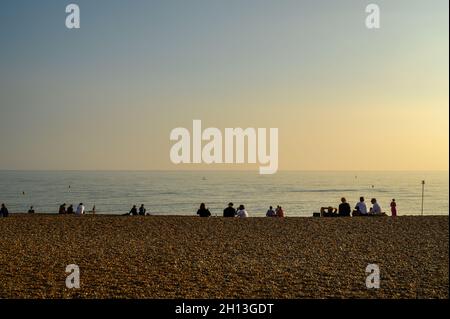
<point>4,211</point>
<point>142,210</point>
<point>62,209</point>
<point>203,211</point>
<point>31,210</point>
<point>344,208</point>
<point>393,208</point>
<point>93,210</point>
<point>280,212</point>
<point>360,208</point>
<point>271,212</point>
<point>229,211</point>
<point>80,209</point>
<point>242,213</point>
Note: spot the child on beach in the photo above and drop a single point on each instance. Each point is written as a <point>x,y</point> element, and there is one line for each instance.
<point>394,208</point>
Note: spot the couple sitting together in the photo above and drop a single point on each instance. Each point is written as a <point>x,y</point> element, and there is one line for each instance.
<point>361,208</point>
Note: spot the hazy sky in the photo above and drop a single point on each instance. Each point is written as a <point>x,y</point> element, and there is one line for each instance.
<point>106,96</point>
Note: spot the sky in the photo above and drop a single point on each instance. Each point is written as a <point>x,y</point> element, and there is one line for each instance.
<point>106,96</point>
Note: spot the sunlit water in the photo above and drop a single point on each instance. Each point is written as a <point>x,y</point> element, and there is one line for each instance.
<point>180,193</point>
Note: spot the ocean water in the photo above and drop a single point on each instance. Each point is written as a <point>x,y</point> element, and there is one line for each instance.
<point>181,192</point>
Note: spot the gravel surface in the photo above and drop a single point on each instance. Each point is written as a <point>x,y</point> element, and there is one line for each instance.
<point>192,257</point>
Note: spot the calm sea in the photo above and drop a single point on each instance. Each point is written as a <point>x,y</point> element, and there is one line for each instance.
<point>180,192</point>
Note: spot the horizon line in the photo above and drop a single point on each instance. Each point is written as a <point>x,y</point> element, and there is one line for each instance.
<point>221,170</point>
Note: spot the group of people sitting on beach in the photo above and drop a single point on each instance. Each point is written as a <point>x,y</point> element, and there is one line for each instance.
<point>278,212</point>
<point>241,212</point>
<point>135,212</point>
<point>343,210</point>
<point>81,210</point>
<point>359,210</point>
<point>229,211</point>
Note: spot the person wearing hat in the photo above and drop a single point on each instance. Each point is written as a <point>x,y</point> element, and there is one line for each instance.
<point>229,211</point>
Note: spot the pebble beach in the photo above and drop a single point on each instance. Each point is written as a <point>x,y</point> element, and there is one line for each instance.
<point>192,257</point>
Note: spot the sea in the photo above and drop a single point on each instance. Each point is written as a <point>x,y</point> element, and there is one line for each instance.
<point>300,193</point>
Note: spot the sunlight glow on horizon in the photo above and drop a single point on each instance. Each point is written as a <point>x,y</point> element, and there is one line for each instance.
<point>106,97</point>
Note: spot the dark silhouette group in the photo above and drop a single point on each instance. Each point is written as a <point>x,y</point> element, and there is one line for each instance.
<point>81,210</point>
<point>240,212</point>
<point>134,211</point>
<point>229,211</point>
<point>360,209</point>
<point>344,210</point>
<point>278,212</point>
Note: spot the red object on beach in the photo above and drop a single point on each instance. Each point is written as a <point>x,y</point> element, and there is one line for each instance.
<point>393,209</point>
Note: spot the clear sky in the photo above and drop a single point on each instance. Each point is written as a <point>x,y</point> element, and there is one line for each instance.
<point>106,96</point>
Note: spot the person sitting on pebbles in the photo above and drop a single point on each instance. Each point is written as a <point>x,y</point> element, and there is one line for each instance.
<point>229,211</point>
<point>203,211</point>
<point>142,210</point>
<point>133,211</point>
<point>375,210</point>
<point>279,211</point>
<point>4,211</point>
<point>360,208</point>
<point>80,210</point>
<point>62,209</point>
<point>242,213</point>
<point>328,211</point>
<point>70,210</point>
<point>271,212</point>
<point>344,208</point>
